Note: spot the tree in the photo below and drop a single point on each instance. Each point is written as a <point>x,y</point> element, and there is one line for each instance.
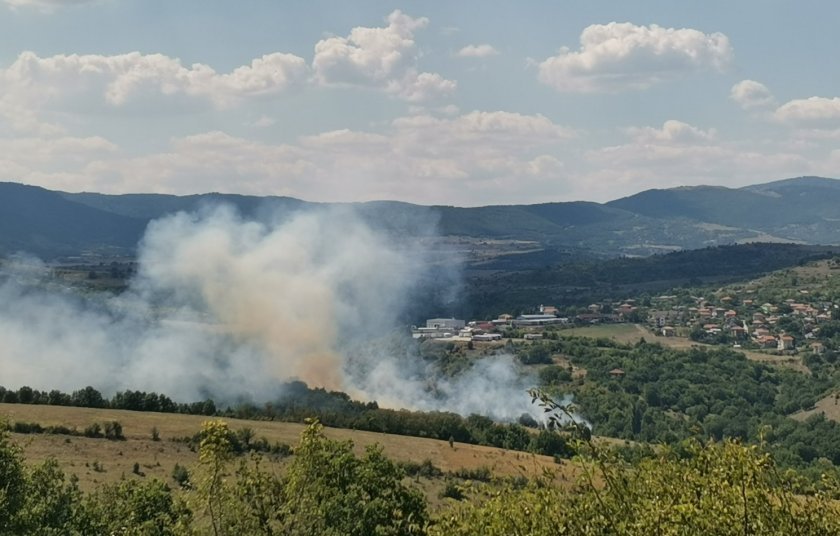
<point>331,491</point>
<point>12,483</point>
<point>88,398</point>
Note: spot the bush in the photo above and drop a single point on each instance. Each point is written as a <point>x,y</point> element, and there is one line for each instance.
<point>452,491</point>
<point>113,431</point>
<point>482,474</point>
<point>425,469</point>
<point>181,475</point>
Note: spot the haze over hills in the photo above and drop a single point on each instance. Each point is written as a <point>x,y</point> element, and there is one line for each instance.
<point>806,210</point>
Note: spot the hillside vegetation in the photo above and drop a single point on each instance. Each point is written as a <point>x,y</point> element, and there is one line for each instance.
<point>327,488</point>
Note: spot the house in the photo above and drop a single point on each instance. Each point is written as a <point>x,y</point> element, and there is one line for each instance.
<point>617,373</point>
<point>660,319</point>
<point>767,341</point>
<point>761,332</point>
<point>548,310</point>
<point>626,308</point>
<point>738,332</point>
<point>589,318</point>
<point>785,343</point>
<point>818,347</point>
<point>532,336</point>
<point>669,331</point>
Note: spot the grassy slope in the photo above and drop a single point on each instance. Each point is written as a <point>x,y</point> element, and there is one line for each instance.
<point>631,333</point>
<point>158,458</point>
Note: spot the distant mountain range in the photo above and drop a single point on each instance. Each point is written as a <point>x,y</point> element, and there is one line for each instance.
<point>802,210</point>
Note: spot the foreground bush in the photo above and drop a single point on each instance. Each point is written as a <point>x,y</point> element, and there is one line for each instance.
<point>709,489</point>
<point>721,488</point>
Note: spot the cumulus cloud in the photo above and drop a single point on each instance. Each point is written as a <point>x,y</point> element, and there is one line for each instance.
<point>86,82</point>
<point>470,158</point>
<point>39,95</point>
<point>682,154</point>
<point>46,6</point>
<point>623,56</point>
<point>814,112</point>
<point>477,51</point>
<point>383,58</point>
<point>672,131</point>
<point>750,94</point>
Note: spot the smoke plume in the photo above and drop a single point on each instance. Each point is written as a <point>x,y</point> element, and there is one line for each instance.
<point>227,308</point>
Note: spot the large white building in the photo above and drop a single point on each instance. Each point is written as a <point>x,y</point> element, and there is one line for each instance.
<point>538,320</point>
<point>449,324</point>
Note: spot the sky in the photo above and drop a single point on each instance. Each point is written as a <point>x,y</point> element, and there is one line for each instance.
<point>457,103</point>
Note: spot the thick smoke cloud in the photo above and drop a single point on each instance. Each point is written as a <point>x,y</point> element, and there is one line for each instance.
<point>228,308</point>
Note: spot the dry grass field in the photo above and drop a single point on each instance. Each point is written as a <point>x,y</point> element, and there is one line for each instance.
<point>623,333</point>
<point>96,461</point>
<point>829,406</point>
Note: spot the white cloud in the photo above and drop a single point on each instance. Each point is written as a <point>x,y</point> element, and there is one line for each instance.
<point>679,154</point>
<point>89,82</point>
<point>46,6</point>
<point>477,51</point>
<point>384,58</point>
<point>672,132</point>
<point>750,94</point>
<point>467,159</point>
<point>622,56</point>
<point>421,87</point>
<point>814,112</point>
<point>263,122</point>
<point>54,162</point>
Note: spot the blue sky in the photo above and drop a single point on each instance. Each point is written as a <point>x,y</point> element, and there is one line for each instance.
<point>464,103</point>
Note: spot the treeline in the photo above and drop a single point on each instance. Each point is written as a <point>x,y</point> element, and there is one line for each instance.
<point>299,403</point>
<point>92,398</point>
<point>591,281</point>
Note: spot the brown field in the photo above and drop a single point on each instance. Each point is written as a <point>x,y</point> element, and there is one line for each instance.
<point>157,458</point>
<point>623,333</point>
<point>828,406</point>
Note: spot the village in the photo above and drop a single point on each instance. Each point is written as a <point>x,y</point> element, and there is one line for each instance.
<point>786,327</point>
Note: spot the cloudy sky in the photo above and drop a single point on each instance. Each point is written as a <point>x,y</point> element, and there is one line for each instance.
<point>438,102</point>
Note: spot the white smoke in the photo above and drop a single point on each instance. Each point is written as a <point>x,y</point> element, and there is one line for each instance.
<point>224,307</point>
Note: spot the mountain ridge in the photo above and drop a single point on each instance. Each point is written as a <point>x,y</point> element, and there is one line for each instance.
<point>803,209</point>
